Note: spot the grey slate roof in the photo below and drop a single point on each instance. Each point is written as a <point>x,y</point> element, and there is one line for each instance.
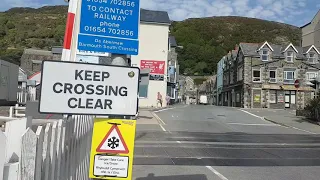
<point>251,49</point>
<point>150,16</point>
<point>173,42</point>
<point>37,52</point>
<point>57,50</point>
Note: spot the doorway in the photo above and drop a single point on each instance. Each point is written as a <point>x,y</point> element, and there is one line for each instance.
<point>290,99</point>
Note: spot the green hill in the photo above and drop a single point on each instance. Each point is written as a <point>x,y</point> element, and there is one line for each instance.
<point>30,28</point>
<point>205,40</point>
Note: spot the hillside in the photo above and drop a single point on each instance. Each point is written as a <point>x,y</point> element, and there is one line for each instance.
<point>205,40</point>
<point>30,28</point>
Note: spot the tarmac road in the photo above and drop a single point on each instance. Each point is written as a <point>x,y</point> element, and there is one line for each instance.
<point>220,143</point>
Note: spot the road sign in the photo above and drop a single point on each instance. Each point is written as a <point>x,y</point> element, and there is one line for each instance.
<point>113,142</point>
<point>82,88</point>
<point>110,26</point>
<point>112,149</point>
<point>297,83</point>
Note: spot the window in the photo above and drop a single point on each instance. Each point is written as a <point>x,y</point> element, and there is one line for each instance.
<point>312,58</point>
<point>265,55</point>
<point>238,97</point>
<point>143,91</point>
<point>290,56</point>
<point>273,97</point>
<point>143,85</point>
<point>273,76</point>
<point>311,75</point>
<point>231,77</point>
<point>289,77</point>
<point>293,97</point>
<point>256,76</point>
<point>240,74</point>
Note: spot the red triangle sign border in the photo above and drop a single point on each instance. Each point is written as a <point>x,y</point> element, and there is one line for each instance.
<point>126,151</point>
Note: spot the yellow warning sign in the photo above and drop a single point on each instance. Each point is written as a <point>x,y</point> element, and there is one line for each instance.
<point>112,149</point>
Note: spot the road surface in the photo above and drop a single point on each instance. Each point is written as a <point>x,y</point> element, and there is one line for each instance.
<point>220,143</point>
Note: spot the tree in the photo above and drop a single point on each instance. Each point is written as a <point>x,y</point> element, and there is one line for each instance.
<point>2,32</point>
<point>10,25</point>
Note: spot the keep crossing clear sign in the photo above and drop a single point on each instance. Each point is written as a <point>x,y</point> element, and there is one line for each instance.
<point>109,26</point>
<point>92,89</point>
<point>112,149</point>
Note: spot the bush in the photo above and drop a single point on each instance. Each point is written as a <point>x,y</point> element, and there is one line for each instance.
<point>313,106</point>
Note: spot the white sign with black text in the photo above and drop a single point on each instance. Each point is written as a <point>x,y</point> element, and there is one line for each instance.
<point>111,166</point>
<point>92,89</point>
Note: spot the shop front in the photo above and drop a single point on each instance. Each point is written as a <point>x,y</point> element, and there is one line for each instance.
<point>286,96</point>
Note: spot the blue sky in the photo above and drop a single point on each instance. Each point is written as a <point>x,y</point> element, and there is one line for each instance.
<point>295,12</point>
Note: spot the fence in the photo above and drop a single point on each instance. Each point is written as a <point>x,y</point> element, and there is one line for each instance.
<point>26,94</point>
<point>47,151</point>
<point>17,111</point>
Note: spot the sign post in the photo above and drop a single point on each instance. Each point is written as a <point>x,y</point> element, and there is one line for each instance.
<point>297,83</point>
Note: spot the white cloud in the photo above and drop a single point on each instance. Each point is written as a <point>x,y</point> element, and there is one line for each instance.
<point>280,10</point>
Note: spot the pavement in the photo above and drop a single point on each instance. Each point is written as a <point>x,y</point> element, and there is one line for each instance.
<point>219,143</point>
<point>286,118</point>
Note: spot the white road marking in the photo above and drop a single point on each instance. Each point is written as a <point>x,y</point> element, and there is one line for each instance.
<point>163,129</point>
<point>158,118</point>
<point>280,125</point>
<point>179,142</point>
<point>217,173</point>
<point>165,109</point>
<point>303,130</point>
<point>250,113</point>
<point>244,124</point>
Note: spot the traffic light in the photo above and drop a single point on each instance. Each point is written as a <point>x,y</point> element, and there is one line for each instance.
<point>313,84</point>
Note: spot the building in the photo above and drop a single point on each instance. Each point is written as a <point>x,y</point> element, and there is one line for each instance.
<point>264,76</point>
<point>31,59</point>
<point>173,71</point>
<point>8,83</point>
<point>153,54</point>
<point>228,90</point>
<point>311,32</point>
<point>220,69</point>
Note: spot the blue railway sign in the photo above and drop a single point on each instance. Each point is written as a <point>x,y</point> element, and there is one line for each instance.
<point>109,26</point>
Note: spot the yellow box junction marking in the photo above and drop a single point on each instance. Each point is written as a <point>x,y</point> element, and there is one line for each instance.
<point>112,149</point>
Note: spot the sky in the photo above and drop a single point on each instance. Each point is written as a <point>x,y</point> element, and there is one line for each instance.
<point>294,12</point>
